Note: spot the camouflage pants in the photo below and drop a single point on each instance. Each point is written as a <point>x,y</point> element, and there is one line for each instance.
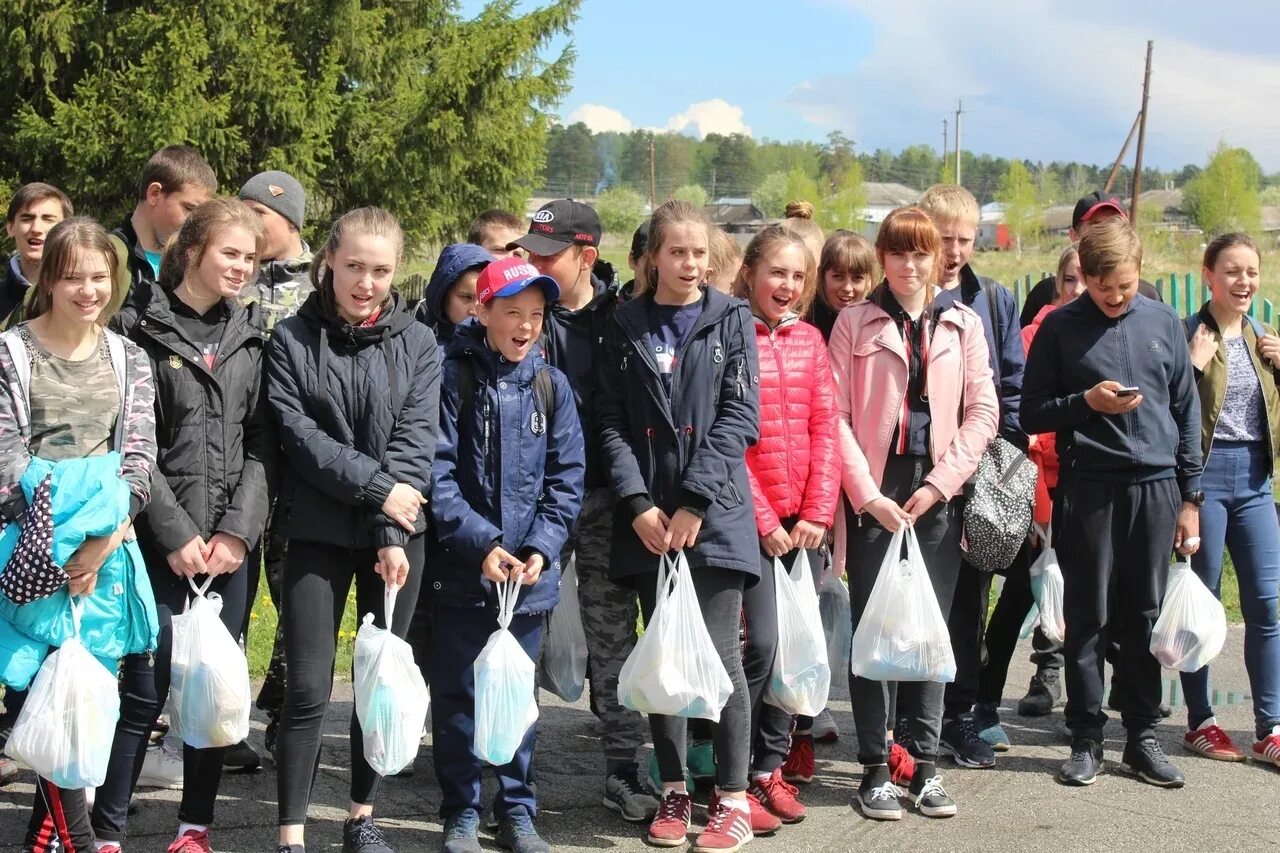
<point>274,547</point>
<point>609,615</point>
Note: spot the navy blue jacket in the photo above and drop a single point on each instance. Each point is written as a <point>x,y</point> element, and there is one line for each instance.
<point>690,450</point>
<point>1007,364</point>
<point>507,477</point>
<point>357,409</point>
<point>454,260</point>
<point>1077,347</point>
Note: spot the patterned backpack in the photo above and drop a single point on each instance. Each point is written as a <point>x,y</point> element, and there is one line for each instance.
<point>998,513</point>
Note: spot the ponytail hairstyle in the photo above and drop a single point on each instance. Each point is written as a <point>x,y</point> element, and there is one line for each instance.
<point>363,220</point>
<point>668,215</point>
<point>185,250</point>
<point>1228,241</point>
<point>62,248</point>
<point>761,249</point>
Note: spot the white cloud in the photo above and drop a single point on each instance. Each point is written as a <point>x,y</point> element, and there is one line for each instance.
<point>714,116</point>
<point>601,119</point>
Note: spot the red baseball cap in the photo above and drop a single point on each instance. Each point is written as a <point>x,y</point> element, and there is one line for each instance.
<point>1088,206</point>
<point>509,276</point>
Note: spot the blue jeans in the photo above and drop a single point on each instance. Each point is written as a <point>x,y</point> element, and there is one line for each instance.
<point>1239,512</point>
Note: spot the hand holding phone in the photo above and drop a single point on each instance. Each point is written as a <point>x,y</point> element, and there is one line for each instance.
<point>1128,391</point>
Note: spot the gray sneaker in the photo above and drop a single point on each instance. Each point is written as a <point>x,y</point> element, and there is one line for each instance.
<point>624,794</point>
<point>462,832</point>
<point>516,833</point>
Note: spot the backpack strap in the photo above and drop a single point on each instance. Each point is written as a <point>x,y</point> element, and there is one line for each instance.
<point>989,288</point>
<point>466,390</point>
<point>1258,330</point>
<point>544,393</point>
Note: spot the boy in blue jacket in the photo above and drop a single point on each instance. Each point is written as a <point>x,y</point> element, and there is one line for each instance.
<point>507,487</point>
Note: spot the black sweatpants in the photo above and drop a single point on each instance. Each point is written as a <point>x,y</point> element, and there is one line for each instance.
<point>1114,547</point>
<point>144,688</point>
<point>59,821</point>
<point>720,594</point>
<point>938,532</point>
<point>317,579</point>
<point>1001,638</point>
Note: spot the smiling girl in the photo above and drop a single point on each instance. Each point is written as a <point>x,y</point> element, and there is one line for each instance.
<point>679,408</point>
<point>354,382</point>
<point>795,485</point>
<point>918,408</point>
<point>846,273</point>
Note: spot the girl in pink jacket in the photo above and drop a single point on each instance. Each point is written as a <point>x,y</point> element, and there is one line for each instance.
<point>918,408</point>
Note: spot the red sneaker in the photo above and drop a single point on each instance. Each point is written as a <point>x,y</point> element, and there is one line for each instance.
<point>192,841</point>
<point>799,766</point>
<point>1268,749</point>
<point>902,767</point>
<point>727,830</point>
<point>778,797</point>
<point>670,825</point>
<point>110,848</point>
<point>763,821</point>
<point>1212,742</point>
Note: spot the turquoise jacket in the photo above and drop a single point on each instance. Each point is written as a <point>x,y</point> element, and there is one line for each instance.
<point>89,498</point>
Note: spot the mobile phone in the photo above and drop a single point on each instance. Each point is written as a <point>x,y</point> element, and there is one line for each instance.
<point>1128,391</point>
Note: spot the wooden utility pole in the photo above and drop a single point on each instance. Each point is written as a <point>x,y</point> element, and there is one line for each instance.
<point>653,183</point>
<point>959,147</point>
<point>945,142</point>
<point>1128,140</point>
<point>1142,139</point>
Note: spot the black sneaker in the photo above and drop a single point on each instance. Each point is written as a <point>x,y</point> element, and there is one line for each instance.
<point>960,741</point>
<point>1146,759</point>
<point>462,832</point>
<point>877,797</point>
<point>927,794</point>
<point>360,835</point>
<point>1044,692</point>
<point>516,833</point>
<point>624,794</point>
<point>291,848</point>
<point>241,757</point>
<point>1083,765</point>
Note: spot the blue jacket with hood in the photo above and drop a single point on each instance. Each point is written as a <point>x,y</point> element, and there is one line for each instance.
<point>510,475</point>
<point>455,259</point>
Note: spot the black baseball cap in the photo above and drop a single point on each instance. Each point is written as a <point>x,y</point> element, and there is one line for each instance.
<point>1092,203</point>
<point>559,224</point>
<point>640,240</point>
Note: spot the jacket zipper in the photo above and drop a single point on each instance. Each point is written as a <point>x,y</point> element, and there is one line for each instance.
<point>786,429</point>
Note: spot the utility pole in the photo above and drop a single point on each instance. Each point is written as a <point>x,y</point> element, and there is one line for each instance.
<point>1128,140</point>
<point>945,142</point>
<point>1142,139</point>
<point>959,147</point>
<point>653,183</point>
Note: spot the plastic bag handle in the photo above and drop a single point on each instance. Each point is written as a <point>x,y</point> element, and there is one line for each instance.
<point>77,608</point>
<point>203,588</point>
<point>508,595</point>
<point>389,602</point>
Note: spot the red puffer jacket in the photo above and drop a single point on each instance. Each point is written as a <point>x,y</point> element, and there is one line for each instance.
<point>795,466</point>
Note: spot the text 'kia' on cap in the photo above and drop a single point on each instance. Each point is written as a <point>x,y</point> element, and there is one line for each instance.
<point>560,224</point>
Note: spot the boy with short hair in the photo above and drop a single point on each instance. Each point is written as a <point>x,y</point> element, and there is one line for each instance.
<point>956,213</point>
<point>563,243</point>
<point>506,488</point>
<point>284,267</point>
<point>34,209</point>
<point>496,231</point>
<point>1129,488</point>
<point>175,181</point>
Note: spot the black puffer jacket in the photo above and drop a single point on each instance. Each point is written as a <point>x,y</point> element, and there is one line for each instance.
<point>358,410</point>
<point>216,459</point>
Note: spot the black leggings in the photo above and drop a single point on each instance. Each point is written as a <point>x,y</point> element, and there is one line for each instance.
<point>317,578</point>
<point>144,687</point>
<point>720,594</point>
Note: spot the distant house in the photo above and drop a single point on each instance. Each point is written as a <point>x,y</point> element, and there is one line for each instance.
<point>738,217</point>
<point>992,232</point>
<point>1271,223</point>
<point>883,198</point>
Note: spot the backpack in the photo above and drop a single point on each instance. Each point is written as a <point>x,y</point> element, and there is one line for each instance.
<point>1001,496</point>
<point>544,393</point>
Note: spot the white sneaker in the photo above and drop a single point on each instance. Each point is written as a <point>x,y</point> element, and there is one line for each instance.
<point>162,767</point>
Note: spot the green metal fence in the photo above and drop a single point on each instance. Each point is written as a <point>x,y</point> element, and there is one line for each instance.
<point>1185,293</point>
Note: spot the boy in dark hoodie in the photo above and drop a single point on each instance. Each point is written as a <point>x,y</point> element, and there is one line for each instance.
<point>450,298</point>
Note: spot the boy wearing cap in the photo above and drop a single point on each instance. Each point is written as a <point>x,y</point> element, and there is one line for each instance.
<point>506,487</point>
<point>284,268</point>
<point>563,244</point>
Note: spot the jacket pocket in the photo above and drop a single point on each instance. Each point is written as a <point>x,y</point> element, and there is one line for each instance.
<point>730,497</point>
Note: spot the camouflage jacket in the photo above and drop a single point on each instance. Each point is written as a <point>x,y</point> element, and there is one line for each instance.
<point>135,434</point>
<point>280,290</point>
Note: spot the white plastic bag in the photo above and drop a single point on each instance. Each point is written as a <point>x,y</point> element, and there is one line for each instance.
<point>801,677</point>
<point>902,635</point>
<point>209,691</point>
<point>504,676</point>
<point>1192,626</point>
<point>564,658</point>
<point>837,621</point>
<point>66,727</point>
<point>391,696</point>
<point>1048,588</point>
<point>674,668</point>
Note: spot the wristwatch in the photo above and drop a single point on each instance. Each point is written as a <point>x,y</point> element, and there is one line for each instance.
<point>1196,498</point>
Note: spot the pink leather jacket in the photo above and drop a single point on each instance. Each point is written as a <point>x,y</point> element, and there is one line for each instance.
<point>869,364</point>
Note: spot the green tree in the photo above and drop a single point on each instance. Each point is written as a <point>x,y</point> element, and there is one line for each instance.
<point>621,210</point>
<point>772,156</point>
<point>692,193</point>
<point>574,163</point>
<point>730,168</point>
<point>1224,197</point>
<point>837,160</point>
<point>919,165</point>
<point>845,208</point>
<point>401,103</point>
<point>1022,212</point>
<point>776,191</point>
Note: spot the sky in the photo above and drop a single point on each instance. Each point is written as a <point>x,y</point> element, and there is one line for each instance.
<point>1039,80</point>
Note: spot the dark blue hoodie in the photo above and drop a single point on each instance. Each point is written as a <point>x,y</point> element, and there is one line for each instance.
<point>454,260</point>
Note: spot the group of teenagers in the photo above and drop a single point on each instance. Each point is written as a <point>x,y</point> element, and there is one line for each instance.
<point>809,395</point>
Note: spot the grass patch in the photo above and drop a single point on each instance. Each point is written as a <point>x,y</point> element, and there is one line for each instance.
<point>262,633</point>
